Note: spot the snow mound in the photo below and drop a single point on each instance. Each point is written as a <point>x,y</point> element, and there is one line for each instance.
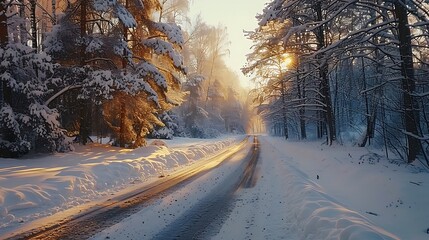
<point>321,217</point>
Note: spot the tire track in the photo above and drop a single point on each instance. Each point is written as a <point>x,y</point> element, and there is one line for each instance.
<point>207,217</point>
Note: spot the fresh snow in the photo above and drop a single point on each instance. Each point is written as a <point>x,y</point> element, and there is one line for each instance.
<point>304,190</point>
<point>32,188</point>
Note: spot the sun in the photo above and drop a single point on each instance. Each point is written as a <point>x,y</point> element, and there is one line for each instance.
<point>287,61</point>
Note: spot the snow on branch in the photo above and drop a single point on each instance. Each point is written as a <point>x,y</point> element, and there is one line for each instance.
<point>49,116</point>
<point>104,5</point>
<point>424,138</point>
<point>121,12</point>
<point>126,17</point>
<point>134,84</point>
<point>146,69</point>
<point>165,48</point>
<point>172,31</point>
<point>61,92</point>
<point>99,83</point>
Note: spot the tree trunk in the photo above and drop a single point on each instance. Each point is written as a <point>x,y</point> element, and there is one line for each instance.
<point>323,74</point>
<point>54,14</point>
<point>123,110</point>
<point>284,114</point>
<point>367,136</point>
<point>4,40</point>
<point>410,107</point>
<point>300,82</point>
<point>22,25</point>
<point>3,25</point>
<point>122,124</point>
<point>3,43</point>
<point>301,97</point>
<point>371,108</point>
<point>85,110</point>
<point>33,24</point>
<point>83,5</point>
<point>329,116</point>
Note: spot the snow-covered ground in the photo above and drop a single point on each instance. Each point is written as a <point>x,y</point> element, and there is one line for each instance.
<point>391,194</point>
<point>33,188</point>
<point>304,190</point>
<point>358,195</point>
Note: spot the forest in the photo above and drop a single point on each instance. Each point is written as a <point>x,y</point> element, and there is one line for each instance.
<point>345,71</point>
<point>125,70</point>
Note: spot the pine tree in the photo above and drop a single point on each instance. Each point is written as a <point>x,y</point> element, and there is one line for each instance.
<point>192,111</point>
<point>154,70</point>
<point>27,122</point>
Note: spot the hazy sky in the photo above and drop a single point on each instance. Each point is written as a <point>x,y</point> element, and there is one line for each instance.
<point>236,15</point>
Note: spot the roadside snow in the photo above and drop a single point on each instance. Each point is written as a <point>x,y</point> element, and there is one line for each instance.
<point>336,186</point>
<point>287,202</point>
<point>41,186</point>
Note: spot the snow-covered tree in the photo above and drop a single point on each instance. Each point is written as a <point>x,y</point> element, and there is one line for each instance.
<point>270,63</point>
<point>123,60</point>
<point>232,112</point>
<point>357,58</point>
<point>155,60</point>
<point>169,128</point>
<point>27,78</point>
<point>192,110</point>
<point>27,122</point>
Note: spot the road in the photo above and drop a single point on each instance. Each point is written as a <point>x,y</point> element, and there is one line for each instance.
<point>239,200</point>
<point>240,159</point>
<point>206,217</point>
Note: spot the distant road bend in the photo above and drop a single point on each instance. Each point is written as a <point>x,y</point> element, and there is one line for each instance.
<point>99,217</point>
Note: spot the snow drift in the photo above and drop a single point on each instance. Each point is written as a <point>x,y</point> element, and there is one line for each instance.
<point>39,187</point>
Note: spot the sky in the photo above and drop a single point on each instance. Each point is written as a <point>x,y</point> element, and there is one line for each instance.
<point>236,15</point>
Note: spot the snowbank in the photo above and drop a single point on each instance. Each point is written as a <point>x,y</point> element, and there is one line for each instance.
<point>321,217</point>
<point>39,187</point>
<point>342,192</point>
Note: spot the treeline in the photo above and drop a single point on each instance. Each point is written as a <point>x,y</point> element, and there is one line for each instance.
<point>345,70</point>
<point>125,69</point>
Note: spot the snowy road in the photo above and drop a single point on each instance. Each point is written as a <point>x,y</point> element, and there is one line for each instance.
<point>277,201</point>
<point>196,210</point>
<point>208,215</point>
<point>114,210</point>
<point>261,212</point>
